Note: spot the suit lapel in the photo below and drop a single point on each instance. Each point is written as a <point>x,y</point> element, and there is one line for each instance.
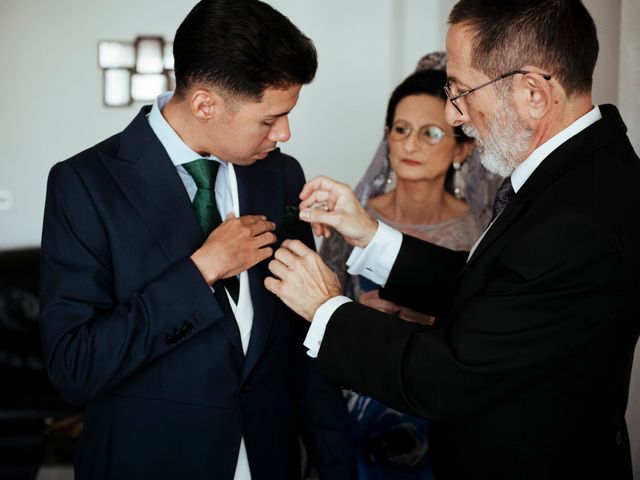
<point>260,192</point>
<point>147,177</point>
<point>506,218</point>
<point>566,156</point>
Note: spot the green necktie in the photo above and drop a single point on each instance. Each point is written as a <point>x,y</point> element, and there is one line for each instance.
<point>204,172</point>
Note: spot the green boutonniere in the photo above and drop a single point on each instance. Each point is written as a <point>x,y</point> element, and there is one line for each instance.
<point>290,220</point>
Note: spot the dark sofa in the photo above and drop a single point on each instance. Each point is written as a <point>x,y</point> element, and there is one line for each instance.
<point>34,420</point>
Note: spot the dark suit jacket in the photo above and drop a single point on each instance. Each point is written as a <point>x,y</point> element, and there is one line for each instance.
<point>131,329</point>
<point>526,372</point>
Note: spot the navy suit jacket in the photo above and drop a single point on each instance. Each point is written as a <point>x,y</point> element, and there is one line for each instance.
<point>132,331</point>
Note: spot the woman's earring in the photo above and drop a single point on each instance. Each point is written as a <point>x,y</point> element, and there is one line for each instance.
<point>458,180</point>
<point>391,181</point>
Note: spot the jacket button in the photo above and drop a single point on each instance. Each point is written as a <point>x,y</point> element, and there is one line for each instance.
<point>170,339</point>
<point>619,438</point>
<point>187,328</point>
<point>245,388</point>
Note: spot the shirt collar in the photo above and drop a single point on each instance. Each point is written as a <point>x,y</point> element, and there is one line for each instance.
<point>526,168</point>
<point>178,151</point>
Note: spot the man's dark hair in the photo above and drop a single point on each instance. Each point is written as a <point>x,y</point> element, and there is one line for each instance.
<point>241,47</point>
<point>557,36</point>
<point>422,82</point>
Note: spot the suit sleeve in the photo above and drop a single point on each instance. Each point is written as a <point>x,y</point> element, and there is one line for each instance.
<point>91,341</point>
<point>548,297</point>
<point>422,275</point>
<point>321,409</point>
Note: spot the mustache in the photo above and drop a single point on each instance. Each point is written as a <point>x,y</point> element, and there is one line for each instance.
<point>469,131</point>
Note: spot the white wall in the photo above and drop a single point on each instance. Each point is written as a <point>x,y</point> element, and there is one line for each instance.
<point>607,19</point>
<point>51,99</point>
<point>630,108</point>
<point>629,81</point>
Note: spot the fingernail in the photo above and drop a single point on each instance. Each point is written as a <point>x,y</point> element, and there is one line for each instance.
<point>305,215</point>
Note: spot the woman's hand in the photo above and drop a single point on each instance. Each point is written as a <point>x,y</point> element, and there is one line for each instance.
<point>415,316</point>
<point>372,299</point>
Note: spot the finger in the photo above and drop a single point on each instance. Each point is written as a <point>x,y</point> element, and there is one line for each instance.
<point>316,197</point>
<point>273,285</point>
<point>278,269</point>
<point>260,226</point>
<point>263,254</point>
<point>311,259</point>
<point>328,190</point>
<point>285,256</point>
<point>367,295</point>
<point>297,247</point>
<point>372,299</point>
<point>386,306</point>
<point>250,219</point>
<point>318,229</point>
<point>384,309</point>
<point>230,215</point>
<point>383,306</point>
<point>313,185</point>
<point>266,238</point>
<point>315,215</point>
<point>320,183</point>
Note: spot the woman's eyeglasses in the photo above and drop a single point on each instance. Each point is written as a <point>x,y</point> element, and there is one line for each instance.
<point>427,134</point>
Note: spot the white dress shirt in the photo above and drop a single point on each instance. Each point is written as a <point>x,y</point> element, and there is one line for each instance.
<point>376,259</point>
<point>226,189</point>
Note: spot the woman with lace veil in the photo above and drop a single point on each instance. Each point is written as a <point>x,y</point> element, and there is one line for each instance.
<point>426,181</point>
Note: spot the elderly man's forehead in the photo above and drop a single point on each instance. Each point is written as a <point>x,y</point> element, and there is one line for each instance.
<point>454,67</point>
<point>459,43</point>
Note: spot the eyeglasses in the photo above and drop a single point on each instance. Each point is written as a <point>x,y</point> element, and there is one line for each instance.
<point>427,134</point>
<point>454,96</point>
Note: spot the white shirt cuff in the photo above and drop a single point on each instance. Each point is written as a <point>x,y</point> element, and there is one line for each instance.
<point>321,318</point>
<point>376,259</point>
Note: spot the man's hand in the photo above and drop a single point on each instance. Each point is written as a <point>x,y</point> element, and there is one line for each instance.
<point>338,208</point>
<point>303,282</point>
<point>235,246</point>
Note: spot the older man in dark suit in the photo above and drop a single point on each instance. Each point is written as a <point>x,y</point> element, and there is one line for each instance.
<point>154,313</point>
<point>525,372</point>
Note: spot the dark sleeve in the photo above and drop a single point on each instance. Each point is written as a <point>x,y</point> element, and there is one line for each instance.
<point>549,296</point>
<point>321,409</point>
<point>422,275</point>
<point>92,342</point>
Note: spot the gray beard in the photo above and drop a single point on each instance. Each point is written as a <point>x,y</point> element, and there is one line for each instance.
<point>505,144</point>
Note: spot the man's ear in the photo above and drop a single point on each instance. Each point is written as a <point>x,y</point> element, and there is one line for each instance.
<point>537,94</point>
<point>205,104</point>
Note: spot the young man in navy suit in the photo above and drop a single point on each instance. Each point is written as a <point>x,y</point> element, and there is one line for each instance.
<point>154,313</point>
<point>525,372</point>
